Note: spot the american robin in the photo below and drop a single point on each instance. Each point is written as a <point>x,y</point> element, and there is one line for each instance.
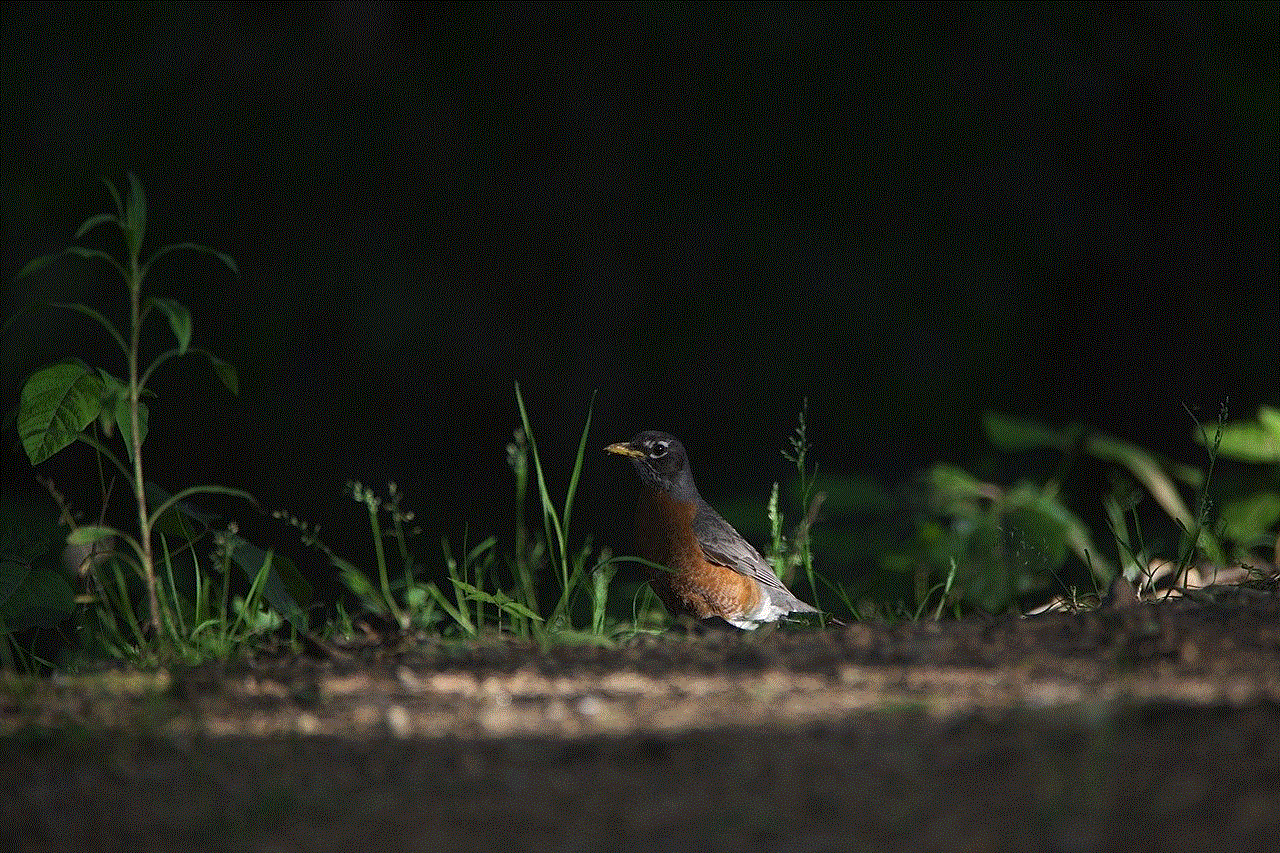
<point>713,570</point>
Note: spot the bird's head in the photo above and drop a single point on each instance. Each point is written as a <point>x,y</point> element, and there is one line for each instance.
<point>661,462</point>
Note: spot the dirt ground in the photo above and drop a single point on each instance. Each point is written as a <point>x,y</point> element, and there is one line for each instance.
<point>1150,728</point>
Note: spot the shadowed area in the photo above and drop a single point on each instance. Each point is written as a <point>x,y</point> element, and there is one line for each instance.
<point>871,737</point>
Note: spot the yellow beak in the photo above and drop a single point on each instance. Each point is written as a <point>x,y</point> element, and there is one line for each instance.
<point>624,449</point>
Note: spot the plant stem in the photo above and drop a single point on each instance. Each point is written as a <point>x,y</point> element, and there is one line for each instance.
<point>135,441</point>
<point>372,505</point>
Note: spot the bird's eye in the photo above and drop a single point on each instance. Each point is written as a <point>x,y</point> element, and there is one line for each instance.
<point>658,449</point>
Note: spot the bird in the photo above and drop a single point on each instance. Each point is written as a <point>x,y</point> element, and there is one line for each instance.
<point>711,570</point>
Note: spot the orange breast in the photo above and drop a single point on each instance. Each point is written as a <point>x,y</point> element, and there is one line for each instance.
<point>664,535</point>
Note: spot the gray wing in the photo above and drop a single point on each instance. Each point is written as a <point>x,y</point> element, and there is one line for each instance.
<point>724,546</point>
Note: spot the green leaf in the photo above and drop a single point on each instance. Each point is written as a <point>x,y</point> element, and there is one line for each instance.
<point>112,392</point>
<point>194,247</point>
<point>294,581</point>
<point>226,373</point>
<point>107,420</point>
<point>1035,527</point>
<point>32,597</point>
<point>361,586</point>
<point>57,403</point>
<point>1144,467</point>
<point>179,320</point>
<point>88,312</point>
<point>89,533</point>
<point>135,215</point>
<point>93,222</point>
<point>82,252</point>
<point>459,615</point>
<point>1013,434</point>
<point>173,520</point>
<point>1076,533</point>
<point>1270,418</point>
<point>126,423</point>
<point>1250,520</point>
<point>252,559</point>
<point>951,489</point>
<point>1250,441</point>
<point>102,320</point>
<point>475,553</point>
<point>498,599</point>
<point>115,196</point>
<point>164,505</point>
<point>39,263</point>
<point>13,573</point>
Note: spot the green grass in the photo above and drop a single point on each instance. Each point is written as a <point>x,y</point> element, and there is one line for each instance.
<point>182,584</point>
<point>547,588</point>
<point>551,585</point>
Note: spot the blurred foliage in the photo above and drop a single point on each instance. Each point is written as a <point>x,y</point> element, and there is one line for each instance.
<point>950,541</point>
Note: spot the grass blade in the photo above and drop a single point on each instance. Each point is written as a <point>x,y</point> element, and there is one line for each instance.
<point>577,464</point>
<point>549,519</point>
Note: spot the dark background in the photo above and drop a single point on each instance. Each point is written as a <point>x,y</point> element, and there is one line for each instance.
<point>905,214</point>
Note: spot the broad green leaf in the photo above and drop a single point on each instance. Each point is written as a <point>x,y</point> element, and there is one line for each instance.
<point>32,597</point>
<point>110,385</point>
<point>1251,520</point>
<point>1077,537</point>
<point>252,559</point>
<point>1250,441</point>
<point>179,320</point>
<point>294,581</point>
<point>1042,528</point>
<point>1270,418</point>
<point>58,402</point>
<point>93,222</point>
<point>89,533</point>
<point>1009,433</point>
<point>135,215</point>
<point>193,247</point>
